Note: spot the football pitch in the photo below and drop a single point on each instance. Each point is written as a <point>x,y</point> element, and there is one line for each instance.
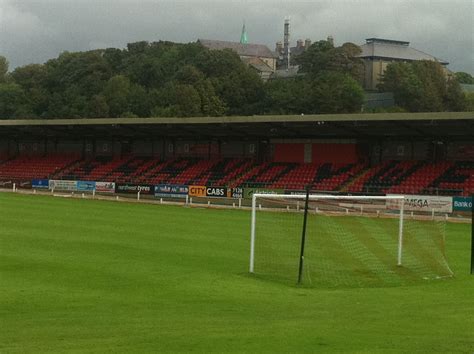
<point>88,276</point>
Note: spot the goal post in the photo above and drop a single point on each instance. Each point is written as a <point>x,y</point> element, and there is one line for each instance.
<point>322,197</point>
<point>472,234</point>
<point>361,234</point>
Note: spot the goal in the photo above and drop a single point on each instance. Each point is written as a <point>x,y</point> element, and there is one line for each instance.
<point>345,240</point>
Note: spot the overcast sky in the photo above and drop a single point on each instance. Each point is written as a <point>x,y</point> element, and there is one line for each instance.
<point>33,31</point>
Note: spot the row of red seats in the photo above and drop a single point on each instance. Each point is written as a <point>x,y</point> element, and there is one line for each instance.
<point>298,178</point>
<point>34,167</point>
<point>421,178</point>
<point>387,177</point>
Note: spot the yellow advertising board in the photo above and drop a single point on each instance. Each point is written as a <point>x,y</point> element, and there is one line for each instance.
<point>197,191</point>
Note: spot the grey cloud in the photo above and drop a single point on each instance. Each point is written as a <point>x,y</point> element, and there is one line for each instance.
<point>35,31</point>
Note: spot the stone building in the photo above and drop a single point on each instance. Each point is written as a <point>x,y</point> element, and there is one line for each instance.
<point>257,56</point>
<point>378,53</point>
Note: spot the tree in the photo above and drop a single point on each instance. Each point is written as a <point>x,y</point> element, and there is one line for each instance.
<point>218,63</point>
<point>116,94</point>
<point>211,104</point>
<point>188,74</point>
<point>3,69</point>
<point>32,78</point>
<point>422,86</point>
<point>89,71</point>
<point>98,107</point>
<point>288,96</point>
<point>469,101</point>
<point>176,100</point>
<point>139,101</point>
<point>345,60</point>
<point>56,107</point>
<point>464,78</point>
<point>455,100</point>
<point>12,101</point>
<point>114,58</point>
<point>185,99</point>
<point>335,92</point>
<point>316,58</point>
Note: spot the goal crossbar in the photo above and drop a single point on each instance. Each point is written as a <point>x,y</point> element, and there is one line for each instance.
<point>327,196</point>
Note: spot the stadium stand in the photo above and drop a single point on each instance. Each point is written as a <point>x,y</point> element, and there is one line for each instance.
<point>444,177</point>
<point>457,178</point>
<point>420,176</point>
<point>29,167</point>
<point>367,154</point>
<point>95,169</point>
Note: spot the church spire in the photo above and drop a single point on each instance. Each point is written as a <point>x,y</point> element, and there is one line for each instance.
<point>243,36</point>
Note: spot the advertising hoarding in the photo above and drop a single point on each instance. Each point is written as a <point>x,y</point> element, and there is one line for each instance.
<point>105,187</point>
<point>462,203</point>
<point>197,191</point>
<point>236,192</point>
<point>220,192</point>
<point>62,185</point>
<point>171,191</point>
<point>40,183</point>
<point>134,188</point>
<point>426,203</point>
<point>248,192</point>
<point>85,186</point>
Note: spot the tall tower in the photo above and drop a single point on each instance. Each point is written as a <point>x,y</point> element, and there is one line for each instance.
<point>286,43</point>
<point>243,36</point>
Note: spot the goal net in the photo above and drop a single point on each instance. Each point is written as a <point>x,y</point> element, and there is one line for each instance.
<point>345,241</point>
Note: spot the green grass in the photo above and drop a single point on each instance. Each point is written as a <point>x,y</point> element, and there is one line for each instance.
<point>93,276</point>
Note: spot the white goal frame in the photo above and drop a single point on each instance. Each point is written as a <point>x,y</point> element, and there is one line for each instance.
<point>312,197</point>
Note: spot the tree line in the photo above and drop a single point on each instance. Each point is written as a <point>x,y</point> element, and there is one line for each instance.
<point>165,79</point>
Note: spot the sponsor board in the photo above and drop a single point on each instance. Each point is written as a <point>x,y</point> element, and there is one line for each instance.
<point>62,185</point>
<point>134,188</point>
<point>425,203</point>
<point>171,191</point>
<point>40,183</point>
<point>105,187</point>
<point>235,192</point>
<point>85,186</point>
<point>197,191</point>
<point>248,192</point>
<point>216,192</point>
<point>462,203</point>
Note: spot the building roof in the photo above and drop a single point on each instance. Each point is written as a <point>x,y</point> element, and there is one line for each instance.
<point>246,50</point>
<point>258,64</point>
<point>297,50</point>
<point>391,49</point>
<point>431,125</point>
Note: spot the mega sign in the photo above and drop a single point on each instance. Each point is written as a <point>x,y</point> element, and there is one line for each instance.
<point>425,203</point>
